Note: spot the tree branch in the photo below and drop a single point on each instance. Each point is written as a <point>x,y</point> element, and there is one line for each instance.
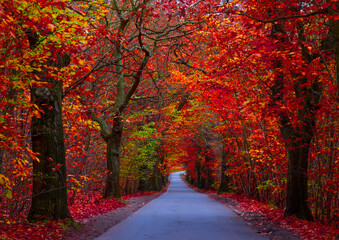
<point>104,129</point>
<point>137,76</point>
<point>280,18</point>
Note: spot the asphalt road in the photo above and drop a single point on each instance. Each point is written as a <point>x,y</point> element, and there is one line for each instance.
<point>182,214</point>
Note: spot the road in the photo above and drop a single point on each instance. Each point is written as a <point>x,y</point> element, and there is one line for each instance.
<point>182,214</point>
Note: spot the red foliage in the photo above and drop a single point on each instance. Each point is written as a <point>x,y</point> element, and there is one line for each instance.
<point>91,204</point>
<point>139,194</point>
<point>19,228</point>
<point>306,229</point>
<point>83,206</point>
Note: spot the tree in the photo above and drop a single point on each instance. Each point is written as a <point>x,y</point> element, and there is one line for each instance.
<point>307,90</point>
<point>136,32</point>
<point>277,57</point>
<point>49,198</point>
<point>45,65</point>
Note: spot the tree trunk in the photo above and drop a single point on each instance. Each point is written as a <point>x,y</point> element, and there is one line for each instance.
<point>197,174</point>
<point>112,187</point>
<point>297,139</point>
<point>144,181</point>
<point>225,179</point>
<point>156,179</point>
<point>202,179</point>
<point>297,179</point>
<point>190,179</point>
<point>49,200</point>
<point>208,172</point>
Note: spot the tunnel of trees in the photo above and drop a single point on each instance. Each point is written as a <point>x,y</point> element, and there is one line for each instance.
<point>109,96</point>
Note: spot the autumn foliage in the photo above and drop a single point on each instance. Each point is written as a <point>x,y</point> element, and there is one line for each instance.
<point>81,206</point>
<point>243,94</point>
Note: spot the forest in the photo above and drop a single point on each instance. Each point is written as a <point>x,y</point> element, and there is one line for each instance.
<point>101,99</point>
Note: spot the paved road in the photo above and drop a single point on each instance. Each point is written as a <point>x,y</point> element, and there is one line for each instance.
<point>182,214</point>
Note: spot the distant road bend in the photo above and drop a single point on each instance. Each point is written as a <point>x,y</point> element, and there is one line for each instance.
<point>182,214</point>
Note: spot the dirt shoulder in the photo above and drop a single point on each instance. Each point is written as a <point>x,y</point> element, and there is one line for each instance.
<point>96,226</point>
<point>258,221</point>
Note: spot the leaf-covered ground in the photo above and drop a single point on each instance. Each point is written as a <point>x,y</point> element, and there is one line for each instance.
<point>84,206</point>
<point>261,215</point>
<point>81,206</point>
<point>93,227</point>
<point>270,221</point>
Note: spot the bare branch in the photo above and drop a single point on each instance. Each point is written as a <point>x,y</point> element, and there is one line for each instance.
<point>281,18</point>
<point>185,63</point>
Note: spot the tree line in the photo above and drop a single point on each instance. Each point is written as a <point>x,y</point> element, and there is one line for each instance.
<point>109,95</point>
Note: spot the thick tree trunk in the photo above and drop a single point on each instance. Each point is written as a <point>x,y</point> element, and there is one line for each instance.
<point>298,138</point>
<point>297,194</point>
<point>298,141</point>
<point>112,187</point>
<point>49,200</point>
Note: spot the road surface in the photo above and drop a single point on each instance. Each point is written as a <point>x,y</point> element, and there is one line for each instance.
<point>182,214</point>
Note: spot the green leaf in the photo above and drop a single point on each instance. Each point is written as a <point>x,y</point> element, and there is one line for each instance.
<point>9,194</point>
